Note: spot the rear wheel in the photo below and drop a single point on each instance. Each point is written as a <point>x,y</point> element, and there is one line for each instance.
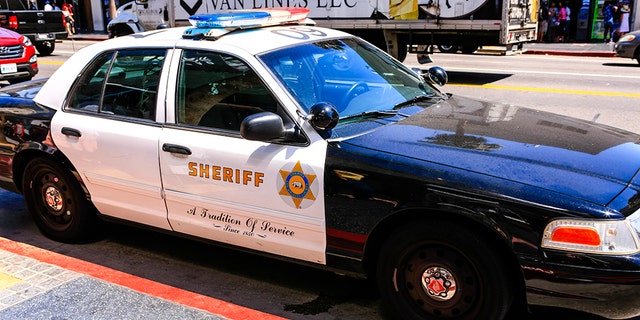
<point>120,31</point>
<point>443,271</point>
<point>57,203</point>
<point>469,49</point>
<point>448,48</point>
<point>45,48</point>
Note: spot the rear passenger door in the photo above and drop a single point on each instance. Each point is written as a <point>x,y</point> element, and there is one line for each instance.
<point>109,132</point>
<point>219,186</point>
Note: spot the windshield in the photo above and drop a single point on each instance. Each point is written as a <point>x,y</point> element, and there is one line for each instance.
<point>351,74</point>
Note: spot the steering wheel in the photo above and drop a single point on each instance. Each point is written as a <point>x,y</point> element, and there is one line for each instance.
<point>356,89</point>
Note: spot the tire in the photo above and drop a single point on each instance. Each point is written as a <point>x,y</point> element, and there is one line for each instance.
<point>120,31</point>
<point>442,271</point>
<point>402,51</point>
<point>45,48</point>
<point>57,203</point>
<point>447,48</point>
<point>469,49</point>
<point>638,55</point>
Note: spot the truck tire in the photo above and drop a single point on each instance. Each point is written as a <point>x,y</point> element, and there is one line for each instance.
<point>442,270</point>
<point>45,48</point>
<point>469,49</point>
<point>57,202</point>
<point>448,48</point>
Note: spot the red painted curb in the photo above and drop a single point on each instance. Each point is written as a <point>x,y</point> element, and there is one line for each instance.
<point>166,292</point>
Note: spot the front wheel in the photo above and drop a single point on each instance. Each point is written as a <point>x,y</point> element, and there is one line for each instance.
<point>57,203</point>
<point>443,271</point>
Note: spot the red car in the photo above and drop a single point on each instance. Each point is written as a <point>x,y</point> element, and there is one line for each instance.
<point>18,60</point>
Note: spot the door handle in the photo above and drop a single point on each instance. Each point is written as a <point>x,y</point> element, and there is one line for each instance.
<point>71,132</point>
<point>174,148</point>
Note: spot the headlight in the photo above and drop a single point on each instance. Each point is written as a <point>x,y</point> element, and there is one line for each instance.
<point>26,41</point>
<point>593,236</point>
<point>627,37</point>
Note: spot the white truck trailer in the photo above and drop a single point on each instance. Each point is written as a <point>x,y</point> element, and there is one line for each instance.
<point>397,26</point>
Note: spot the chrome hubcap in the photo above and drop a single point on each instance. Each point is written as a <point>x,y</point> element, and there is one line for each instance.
<point>439,283</point>
<point>53,198</point>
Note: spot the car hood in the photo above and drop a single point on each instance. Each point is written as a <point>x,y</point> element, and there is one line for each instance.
<point>8,36</point>
<point>501,147</point>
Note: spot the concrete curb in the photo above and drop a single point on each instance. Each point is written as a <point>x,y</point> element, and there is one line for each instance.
<point>571,53</point>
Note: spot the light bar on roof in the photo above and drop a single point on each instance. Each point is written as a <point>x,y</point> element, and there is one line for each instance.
<point>249,18</point>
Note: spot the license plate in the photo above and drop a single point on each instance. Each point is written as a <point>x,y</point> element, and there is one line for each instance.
<point>45,36</point>
<point>8,68</point>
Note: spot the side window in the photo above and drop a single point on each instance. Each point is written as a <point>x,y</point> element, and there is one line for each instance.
<point>218,91</point>
<point>121,83</point>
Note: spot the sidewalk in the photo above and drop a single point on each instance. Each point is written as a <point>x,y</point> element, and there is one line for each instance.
<point>40,284</point>
<point>570,49</point>
<point>560,49</point>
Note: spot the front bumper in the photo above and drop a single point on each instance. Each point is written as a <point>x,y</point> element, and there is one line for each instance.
<point>625,49</point>
<point>611,290</point>
<point>25,71</point>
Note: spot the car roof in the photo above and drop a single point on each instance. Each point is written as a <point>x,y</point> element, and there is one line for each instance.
<point>252,41</point>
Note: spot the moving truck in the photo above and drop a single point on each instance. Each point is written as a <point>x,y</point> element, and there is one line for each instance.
<point>397,26</point>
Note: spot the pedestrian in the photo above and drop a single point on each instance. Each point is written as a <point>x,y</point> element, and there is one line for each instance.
<point>562,23</point>
<point>568,33</point>
<point>33,5</point>
<point>607,14</point>
<point>48,6</point>
<point>553,22</point>
<point>68,18</point>
<point>624,19</point>
<point>543,20</point>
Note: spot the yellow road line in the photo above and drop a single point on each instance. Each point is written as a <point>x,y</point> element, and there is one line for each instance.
<point>554,90</point>
<point>50,62</point>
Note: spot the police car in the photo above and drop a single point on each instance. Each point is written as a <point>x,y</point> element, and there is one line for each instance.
<point>259,130</point>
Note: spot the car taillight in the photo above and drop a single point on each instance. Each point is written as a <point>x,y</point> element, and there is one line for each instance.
<point>13,22</point>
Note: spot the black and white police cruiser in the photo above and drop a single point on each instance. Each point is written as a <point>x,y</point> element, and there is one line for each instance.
<point>259,130</point>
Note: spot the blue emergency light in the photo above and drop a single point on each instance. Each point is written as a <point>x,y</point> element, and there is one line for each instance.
<point>249,18</point>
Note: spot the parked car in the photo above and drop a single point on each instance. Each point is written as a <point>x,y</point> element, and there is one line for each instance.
<point>629,46</point>
<point>18,59</point>
<point>261,131</point>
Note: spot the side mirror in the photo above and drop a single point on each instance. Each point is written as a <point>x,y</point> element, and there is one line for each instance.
<point>323,116</point>
<point>262,126</point>
<point>437,75</point>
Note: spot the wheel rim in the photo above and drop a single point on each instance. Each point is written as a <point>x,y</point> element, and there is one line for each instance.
<point>55,203</point>
<point>440,281</point>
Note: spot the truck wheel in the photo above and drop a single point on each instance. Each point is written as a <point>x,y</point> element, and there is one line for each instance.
<point>442,271</point>
<point>45,48</point>
<point>448,48</point>
<point>469,49</point>
<point>57,203</point>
